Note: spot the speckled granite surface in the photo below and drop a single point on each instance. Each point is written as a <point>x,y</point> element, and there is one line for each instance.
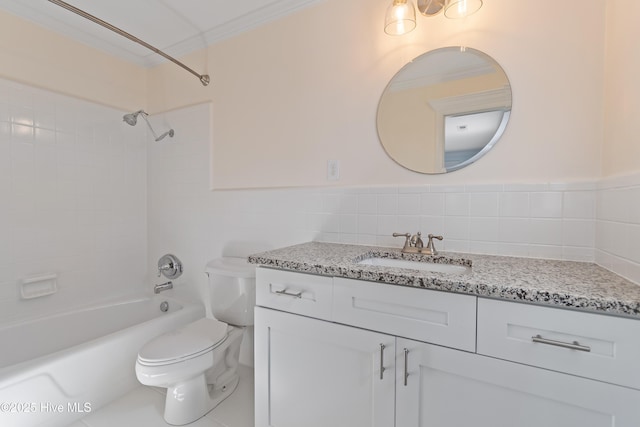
<point>568,284</point>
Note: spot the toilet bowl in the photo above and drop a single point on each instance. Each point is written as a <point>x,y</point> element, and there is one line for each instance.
<point>197,364</point>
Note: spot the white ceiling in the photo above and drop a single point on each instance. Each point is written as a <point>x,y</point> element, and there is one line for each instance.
<point>176,27</point>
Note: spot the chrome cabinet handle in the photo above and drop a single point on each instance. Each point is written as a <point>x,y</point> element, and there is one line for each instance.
<point>382,347</point>
<point>570,345</point>
<point>406,368</point>
<point>289,294</point>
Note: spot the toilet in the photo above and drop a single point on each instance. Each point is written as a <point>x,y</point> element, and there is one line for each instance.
<point>197,363</point>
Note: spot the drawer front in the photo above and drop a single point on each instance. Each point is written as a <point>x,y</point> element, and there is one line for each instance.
<point>298,293</point>
<point>430,316</point>
<point>590,345</point>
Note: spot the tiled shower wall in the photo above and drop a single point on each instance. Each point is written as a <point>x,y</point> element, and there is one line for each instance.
<point>72,201</point>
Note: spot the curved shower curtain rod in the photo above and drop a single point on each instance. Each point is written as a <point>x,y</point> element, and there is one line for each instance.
<point>204,78</point>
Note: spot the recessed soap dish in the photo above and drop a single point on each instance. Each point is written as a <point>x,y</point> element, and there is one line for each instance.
<point>39,286</point>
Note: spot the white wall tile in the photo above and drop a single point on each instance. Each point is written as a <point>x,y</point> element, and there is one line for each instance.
<point>456,204</point>
<point>368,204</point>
<point>408,224</point>
<point>513,249</point>
<point>546,205</point>
<point>576,232</point>
<point>580,204</point>
<point>483,204</point>
<point>514,204</point>
<point>543,251</point>
<point>388,204</point>
<point>488,248</point>
<point>632,232</point>
<point>387,225</point>
<point>409,203</point>
<point>578,254</point>
<point>545,231</point>
<point>456,228</point>
<point>367,224</point>
<point>484,229</point>
<point>514,230</point>
<point>432,204</point>
<point>349,224</point>
<point>432,225</point>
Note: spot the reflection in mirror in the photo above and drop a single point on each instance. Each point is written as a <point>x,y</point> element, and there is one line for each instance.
<point>444,110</point>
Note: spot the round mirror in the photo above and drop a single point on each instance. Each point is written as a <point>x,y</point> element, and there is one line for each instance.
<point>444,110</point>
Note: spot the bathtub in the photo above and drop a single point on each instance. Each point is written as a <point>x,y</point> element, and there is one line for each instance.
<point>54,370</point>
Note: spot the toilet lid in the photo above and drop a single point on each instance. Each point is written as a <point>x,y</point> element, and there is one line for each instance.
<point>184,343</point>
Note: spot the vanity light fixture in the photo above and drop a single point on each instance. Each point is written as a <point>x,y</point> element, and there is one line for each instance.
<point>400,18</point>
<point>401,15</point>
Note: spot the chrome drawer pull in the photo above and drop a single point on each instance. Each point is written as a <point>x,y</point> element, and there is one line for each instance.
<point>381,360</point>
<point>406,369</point>
<point>289,294</point>
<point>573,345</point>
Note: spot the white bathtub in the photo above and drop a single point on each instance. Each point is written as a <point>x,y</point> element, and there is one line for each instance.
<point>56,369</point>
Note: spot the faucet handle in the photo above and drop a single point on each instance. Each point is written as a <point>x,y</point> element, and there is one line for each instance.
<point>169,266</point>
<point>430,245</point>
<point>407,237</point>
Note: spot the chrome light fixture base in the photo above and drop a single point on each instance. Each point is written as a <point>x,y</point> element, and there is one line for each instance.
<point>430,7</point>
<point>401,15</point>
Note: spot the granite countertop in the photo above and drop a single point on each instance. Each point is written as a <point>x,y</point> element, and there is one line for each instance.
<point>567,284</point>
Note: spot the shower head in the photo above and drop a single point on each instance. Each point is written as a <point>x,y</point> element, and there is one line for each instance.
<point>132,119</point>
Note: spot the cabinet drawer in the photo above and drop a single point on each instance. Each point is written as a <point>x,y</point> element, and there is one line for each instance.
<point>298,293</point>
<point>436,317</point>
<point>590,345</point>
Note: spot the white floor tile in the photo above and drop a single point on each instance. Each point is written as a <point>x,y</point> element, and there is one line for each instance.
<point>237,409</point>
<point>144,407</point>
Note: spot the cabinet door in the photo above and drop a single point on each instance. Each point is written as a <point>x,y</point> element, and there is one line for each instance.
<point>314,373</point>
<point>451,388</point>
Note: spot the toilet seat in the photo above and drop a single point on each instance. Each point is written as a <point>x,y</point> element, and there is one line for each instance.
<point>182,344</point>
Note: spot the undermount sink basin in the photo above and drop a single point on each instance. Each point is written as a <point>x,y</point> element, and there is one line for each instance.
<point>416,265</point>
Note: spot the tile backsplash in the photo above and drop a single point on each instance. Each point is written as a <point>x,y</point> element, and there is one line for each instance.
<point>549,221</point>
<point>617,246</point>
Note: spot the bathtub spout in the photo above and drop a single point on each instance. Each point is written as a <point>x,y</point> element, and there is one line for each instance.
<point>162,287</point>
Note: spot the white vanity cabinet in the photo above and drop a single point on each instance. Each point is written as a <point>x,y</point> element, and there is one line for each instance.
<point>451,388</point>
<point>313,373</point>
<point>370,354</point>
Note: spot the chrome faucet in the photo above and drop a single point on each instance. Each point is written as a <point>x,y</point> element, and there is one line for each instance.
<point>162,287</point>
<point>416,241</point>
<point>415,245</point>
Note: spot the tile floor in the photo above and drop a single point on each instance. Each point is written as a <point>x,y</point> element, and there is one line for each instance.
<point>143,407</point>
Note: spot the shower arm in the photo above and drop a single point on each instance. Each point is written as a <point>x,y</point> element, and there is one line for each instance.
<point>204,78</point>
<point>144,116</point>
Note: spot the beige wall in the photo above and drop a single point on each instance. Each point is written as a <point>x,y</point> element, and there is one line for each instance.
<point>292,94</point>
<point>621,147</point>
<point>38,57</point>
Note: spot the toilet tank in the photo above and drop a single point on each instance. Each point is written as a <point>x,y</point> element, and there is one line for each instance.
<point>232,286</point>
